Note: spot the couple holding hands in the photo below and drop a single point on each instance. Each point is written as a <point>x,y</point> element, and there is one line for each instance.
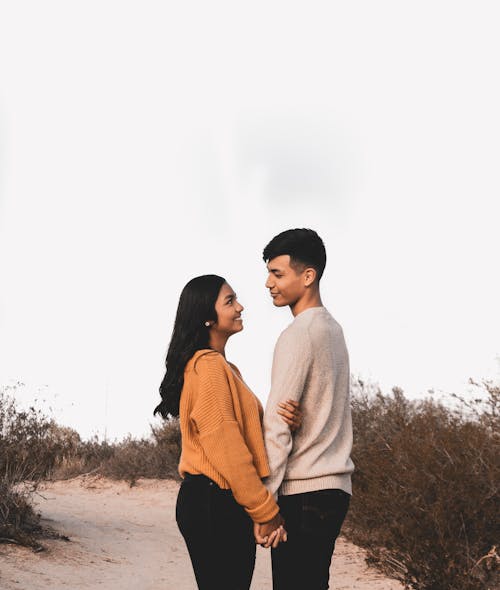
<point>280,478</point>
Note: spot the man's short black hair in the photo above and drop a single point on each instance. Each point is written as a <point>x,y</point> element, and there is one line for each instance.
<point>304,247</point>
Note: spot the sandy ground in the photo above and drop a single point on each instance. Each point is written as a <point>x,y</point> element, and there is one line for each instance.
<point>124,538</point>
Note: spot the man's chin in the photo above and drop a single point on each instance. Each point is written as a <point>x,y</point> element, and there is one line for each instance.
<point>279,302</point>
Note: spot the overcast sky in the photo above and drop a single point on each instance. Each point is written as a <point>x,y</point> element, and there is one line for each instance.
<point>144,143</point>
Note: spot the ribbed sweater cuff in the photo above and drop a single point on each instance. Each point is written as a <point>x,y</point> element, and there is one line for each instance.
<point>266,511</point>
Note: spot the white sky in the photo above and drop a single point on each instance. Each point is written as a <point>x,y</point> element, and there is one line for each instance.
<point>144,143</point>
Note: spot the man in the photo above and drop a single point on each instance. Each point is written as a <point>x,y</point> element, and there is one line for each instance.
<point>311,471</point>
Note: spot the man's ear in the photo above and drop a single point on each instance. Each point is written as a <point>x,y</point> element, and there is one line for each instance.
<point>310,275</point>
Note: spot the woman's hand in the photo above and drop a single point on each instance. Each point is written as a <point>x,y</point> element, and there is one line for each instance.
<point>270,533</point>
<point>291,414</point>
<point>276,537</point>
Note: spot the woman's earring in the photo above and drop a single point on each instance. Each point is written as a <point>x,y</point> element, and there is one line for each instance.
<point>207,324</point>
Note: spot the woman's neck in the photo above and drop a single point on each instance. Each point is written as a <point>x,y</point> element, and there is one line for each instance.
<point>218,343</point>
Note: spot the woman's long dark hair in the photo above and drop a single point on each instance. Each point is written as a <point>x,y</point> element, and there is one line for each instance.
<point>196,306</point>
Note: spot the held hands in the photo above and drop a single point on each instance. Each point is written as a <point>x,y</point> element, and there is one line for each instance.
<point>291,414</point>
<point>270,533</point>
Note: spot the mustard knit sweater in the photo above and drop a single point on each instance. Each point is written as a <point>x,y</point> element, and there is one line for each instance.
<point>221,428</point>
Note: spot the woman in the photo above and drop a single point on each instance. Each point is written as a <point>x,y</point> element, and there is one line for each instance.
<point>223,460</point>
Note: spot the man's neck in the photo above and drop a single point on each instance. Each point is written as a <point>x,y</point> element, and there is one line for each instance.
<point>309,300</point>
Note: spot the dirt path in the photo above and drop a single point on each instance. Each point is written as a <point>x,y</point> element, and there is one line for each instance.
<point>126,538</point>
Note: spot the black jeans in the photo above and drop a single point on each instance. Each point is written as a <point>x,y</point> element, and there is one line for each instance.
<point>313,521</point>
<point>218,534</point>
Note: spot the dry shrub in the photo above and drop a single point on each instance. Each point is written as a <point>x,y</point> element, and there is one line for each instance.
<point>156,457</point>
<point>28,448</point>
<point>18,521</point>
<point>84,457</point>
<point>26,453</point>
<point>425,497</point>
<point>33,447</point>
<point>128,459</point>
<point>168,442</point>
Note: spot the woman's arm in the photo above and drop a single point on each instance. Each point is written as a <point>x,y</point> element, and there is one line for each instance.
<point>223,443</point>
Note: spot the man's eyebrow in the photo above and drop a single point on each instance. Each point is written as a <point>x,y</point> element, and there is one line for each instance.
<point>274,269</point>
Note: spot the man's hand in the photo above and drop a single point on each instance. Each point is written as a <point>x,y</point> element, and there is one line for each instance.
<point>291,414</point>
<point>270,533</point>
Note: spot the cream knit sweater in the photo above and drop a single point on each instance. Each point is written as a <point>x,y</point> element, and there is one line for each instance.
<point>310,365</point>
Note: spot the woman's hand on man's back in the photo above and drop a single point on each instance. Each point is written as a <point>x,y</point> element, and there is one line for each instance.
<point>289,410</point>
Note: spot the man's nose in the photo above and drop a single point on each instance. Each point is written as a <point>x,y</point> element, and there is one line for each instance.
<point>269,282</point>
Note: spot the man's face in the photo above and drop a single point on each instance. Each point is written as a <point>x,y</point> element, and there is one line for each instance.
<point>286,285</point>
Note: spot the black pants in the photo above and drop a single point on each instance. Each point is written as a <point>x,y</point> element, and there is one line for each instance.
<point>218,534</point>
<point>313,521</point>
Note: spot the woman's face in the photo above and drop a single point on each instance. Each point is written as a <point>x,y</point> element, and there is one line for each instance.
<point>228,310</point>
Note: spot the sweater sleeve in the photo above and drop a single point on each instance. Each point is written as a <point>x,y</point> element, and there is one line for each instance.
<point>291,363</point>
<point>222,441</point>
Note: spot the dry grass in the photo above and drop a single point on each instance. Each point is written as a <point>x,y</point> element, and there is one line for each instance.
<point>28,452</point>
<point>34,448</point>
<point>426,489</point>
<point>425,497</point>
<point>18,521</point>
<point>129,459</point>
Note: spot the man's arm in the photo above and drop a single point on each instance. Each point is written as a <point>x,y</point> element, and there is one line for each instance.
<point>291,364</point>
